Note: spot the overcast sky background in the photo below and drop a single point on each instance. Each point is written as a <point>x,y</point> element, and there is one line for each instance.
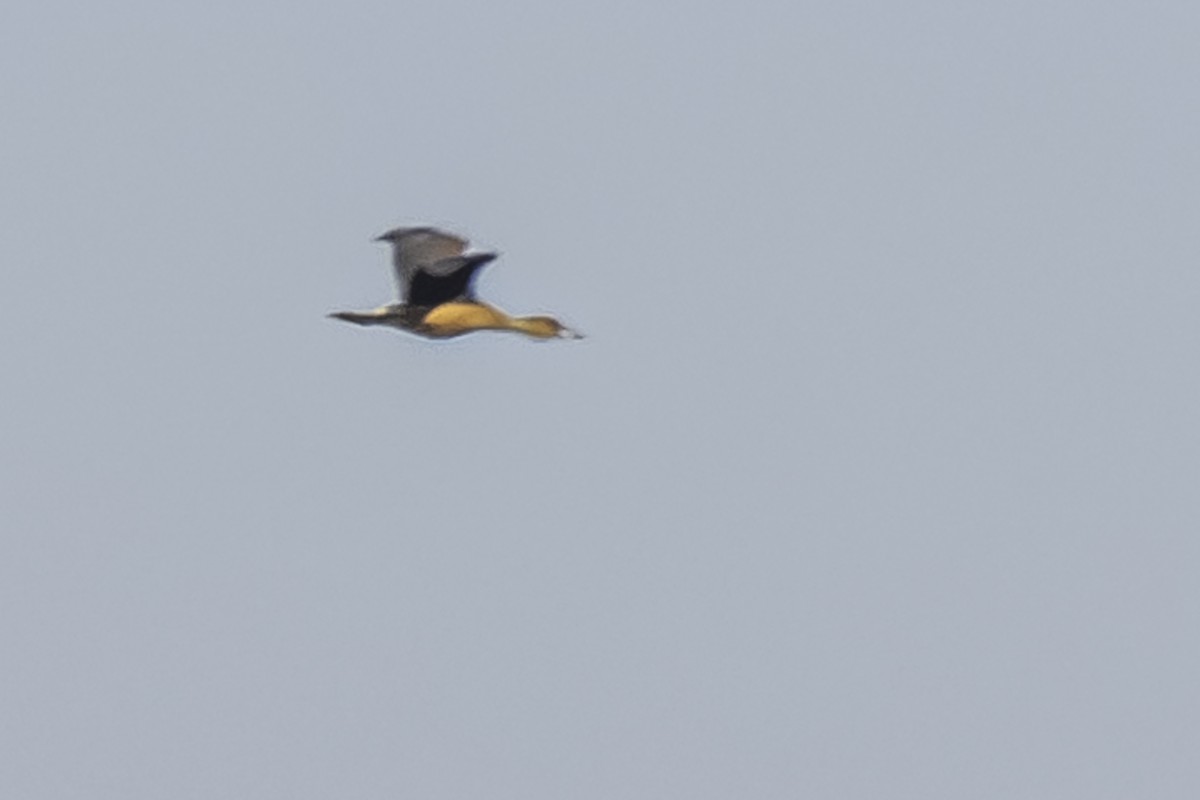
<point>876,476</point>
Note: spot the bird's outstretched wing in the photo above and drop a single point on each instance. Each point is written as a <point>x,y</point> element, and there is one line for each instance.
<point>446,280</point>
<point>414,248</point>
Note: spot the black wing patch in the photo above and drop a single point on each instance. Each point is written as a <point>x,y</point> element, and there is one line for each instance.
<point>446,280</point>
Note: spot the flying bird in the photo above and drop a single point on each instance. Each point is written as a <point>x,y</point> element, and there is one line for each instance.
<point>435,278</point>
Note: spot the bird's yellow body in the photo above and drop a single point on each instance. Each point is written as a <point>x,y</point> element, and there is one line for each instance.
<point>452,319</point>
<point>457,318</point>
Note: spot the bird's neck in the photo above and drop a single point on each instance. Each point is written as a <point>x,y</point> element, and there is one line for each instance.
<point>538,327</point>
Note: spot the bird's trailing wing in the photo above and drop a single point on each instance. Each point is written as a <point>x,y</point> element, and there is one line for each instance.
<point>414,248</point>
<point>427,245</point>
<point>446,280</point>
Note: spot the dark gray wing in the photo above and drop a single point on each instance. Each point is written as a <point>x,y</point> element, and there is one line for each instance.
<point>414,248</point>
<point>446,280</point>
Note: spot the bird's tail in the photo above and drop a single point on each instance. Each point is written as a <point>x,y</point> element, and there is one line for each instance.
<point>358,317</point>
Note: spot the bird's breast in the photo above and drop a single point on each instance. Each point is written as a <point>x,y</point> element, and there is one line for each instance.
<point>452,319</point>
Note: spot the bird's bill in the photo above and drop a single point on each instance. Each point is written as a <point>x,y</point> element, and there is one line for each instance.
<point>567,333</point>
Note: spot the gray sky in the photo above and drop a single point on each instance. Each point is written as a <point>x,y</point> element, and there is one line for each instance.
<point>875,478</point>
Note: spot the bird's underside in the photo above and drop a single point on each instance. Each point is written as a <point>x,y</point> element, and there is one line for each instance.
<point>443,321</point>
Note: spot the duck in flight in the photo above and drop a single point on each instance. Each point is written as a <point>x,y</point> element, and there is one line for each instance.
<point>434,280</point>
